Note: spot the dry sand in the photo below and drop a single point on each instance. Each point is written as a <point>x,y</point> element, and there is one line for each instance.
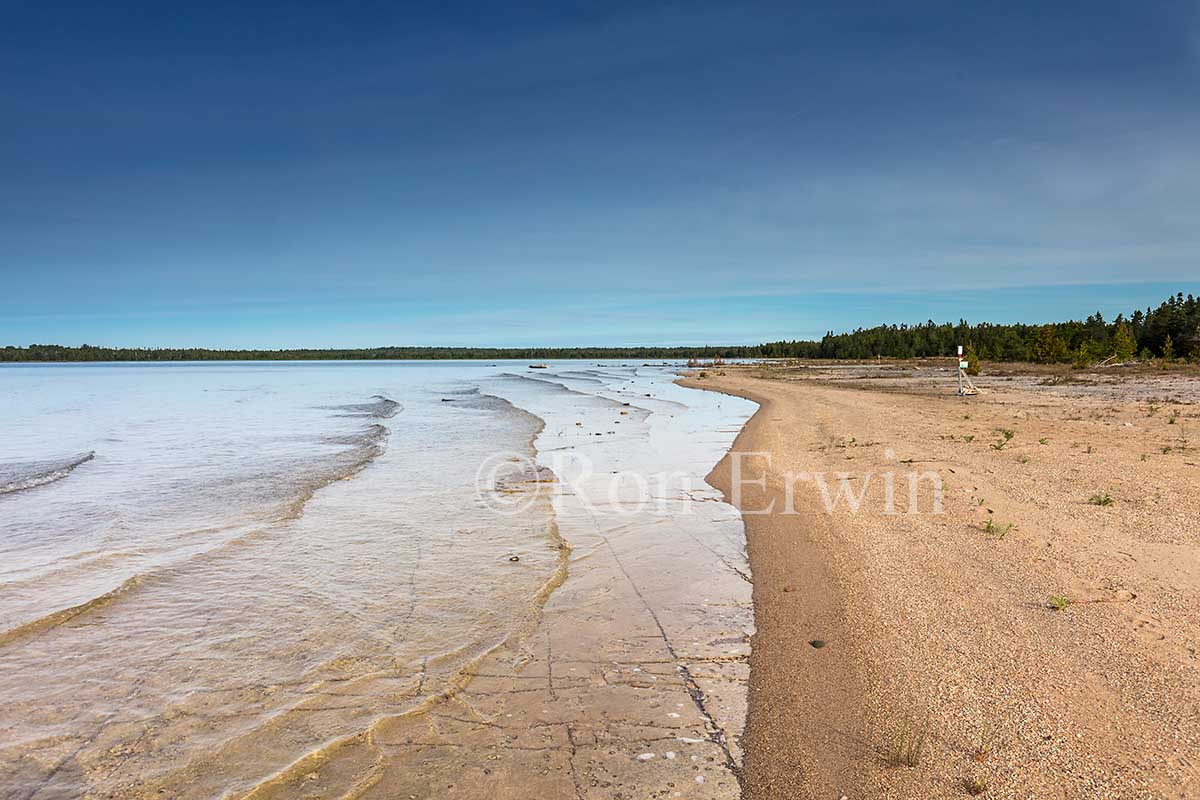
<point>942,625</point>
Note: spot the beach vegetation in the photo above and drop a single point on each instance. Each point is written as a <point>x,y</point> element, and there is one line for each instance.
<point>985,742</point>
<point>974,786</point>
<point>1102,499</point>
<point>998,529</point>
<point>907,744</point>
<point>1059,602</point>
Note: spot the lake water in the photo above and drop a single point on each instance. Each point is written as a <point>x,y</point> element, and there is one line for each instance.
<point>215,576</point>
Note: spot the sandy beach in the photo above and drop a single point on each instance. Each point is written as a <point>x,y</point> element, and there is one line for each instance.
<point>1036,638</point>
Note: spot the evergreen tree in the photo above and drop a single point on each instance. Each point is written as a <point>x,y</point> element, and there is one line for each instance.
<point>972,359</point>
<point>1123,344</point>
<point>1047,348</point>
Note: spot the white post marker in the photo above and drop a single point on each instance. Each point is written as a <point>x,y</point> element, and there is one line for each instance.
<point>960,370</point>
<point>965,387</point>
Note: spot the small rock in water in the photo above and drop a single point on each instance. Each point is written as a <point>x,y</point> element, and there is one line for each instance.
<point>514,558</point>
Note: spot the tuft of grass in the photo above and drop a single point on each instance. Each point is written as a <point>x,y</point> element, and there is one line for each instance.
<point>1023,459</point>
<point>907,744</point>
<point>1104,499</point>
<point>975,786</point>
<point>969,438</point>
<point>1000,530</point>
<point>985,742</point>
<point>1059,602</point>
<point>1044,440</point>
<point>1174,416</point>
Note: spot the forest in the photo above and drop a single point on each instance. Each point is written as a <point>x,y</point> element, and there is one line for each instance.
<point>1170,331</point>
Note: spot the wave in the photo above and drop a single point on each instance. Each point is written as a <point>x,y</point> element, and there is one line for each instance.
<point>578,376</point>
<point>59,617</point>
<point>551,385</point>
<point>19,476</point>
<point>362,448</point>
<point>380,408</point>
<point>373,435</point>
<point>475,400</point>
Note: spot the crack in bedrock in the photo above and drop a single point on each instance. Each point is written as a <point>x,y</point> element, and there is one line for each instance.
<point>716,734</point>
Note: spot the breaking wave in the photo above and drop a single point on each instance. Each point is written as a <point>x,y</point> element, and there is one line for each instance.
<point>380,407</point>
<point>19,476</point>
<point>360,449</point>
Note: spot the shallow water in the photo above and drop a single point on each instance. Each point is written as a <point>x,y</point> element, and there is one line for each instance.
<point>266,564</point>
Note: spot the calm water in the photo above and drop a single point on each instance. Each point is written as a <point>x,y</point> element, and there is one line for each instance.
<point>208,571</point>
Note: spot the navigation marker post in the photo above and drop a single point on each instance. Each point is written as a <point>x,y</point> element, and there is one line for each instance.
<point>965,387</point>
<point>960,370</point>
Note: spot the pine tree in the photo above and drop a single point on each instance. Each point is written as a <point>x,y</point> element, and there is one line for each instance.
<point>972,359</point>
<point>1047,348</point>
<point>1168,348</point>
<point>1123,344</point>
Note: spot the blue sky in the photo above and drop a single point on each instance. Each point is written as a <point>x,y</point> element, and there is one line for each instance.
<point>358,174</point>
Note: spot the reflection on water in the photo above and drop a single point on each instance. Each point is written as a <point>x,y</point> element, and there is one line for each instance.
<point>263,562</point>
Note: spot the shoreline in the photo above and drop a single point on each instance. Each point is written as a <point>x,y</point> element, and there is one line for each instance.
<point>944,628</point>
<point>803,716</point>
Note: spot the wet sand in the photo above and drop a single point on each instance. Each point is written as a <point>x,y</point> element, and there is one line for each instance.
<point>943,625</point>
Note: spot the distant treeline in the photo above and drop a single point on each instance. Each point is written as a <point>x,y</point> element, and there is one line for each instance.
<point>54,352</point>
<point>1170,331</point>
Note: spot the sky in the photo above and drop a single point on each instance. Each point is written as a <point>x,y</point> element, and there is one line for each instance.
<point>349,174</point>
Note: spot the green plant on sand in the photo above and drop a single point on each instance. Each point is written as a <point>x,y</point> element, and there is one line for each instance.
<point>907,744</point>
<point>974,786</point>
<point>999,529</point>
